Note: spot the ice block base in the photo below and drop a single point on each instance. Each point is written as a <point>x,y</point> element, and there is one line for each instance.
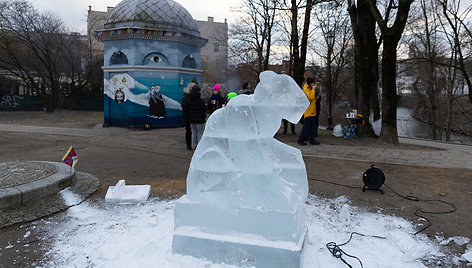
<point>238,249</point>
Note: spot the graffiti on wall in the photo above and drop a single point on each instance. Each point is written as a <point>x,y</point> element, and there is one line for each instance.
<point>10,102</point>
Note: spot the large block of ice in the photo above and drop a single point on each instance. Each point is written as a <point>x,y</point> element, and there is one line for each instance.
<point>246,191</point>
<point>127,193</point>
<point>238,249</point>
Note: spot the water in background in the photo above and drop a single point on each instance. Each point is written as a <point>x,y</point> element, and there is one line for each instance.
<point>409,127</point>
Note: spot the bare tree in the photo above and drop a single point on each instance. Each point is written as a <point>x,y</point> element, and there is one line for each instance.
<point>29,48</point>
<point>392,30</point>
<point>298,47</point>
<point>252,35</point>
<point>332,20</point>
<point>366,47</point>
<point>426,50</point>
<point>460,29</point>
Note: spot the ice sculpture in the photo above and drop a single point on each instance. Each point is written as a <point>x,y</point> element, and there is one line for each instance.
<point>245,190</point>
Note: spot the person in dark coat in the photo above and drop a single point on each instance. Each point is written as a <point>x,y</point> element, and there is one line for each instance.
<point>188,130</point>
<point>246,89</point>
<point>194,112</point>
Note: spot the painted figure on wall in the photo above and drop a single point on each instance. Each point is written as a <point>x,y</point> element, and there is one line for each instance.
<point>156,102</point>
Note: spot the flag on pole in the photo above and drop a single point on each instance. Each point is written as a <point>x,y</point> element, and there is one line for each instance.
<point>70,158</point>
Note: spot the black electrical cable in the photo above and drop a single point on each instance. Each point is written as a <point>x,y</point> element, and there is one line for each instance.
<point>407,197</point>
<point>337,252</point>
<point>419,210</point>
<point>339,184</point>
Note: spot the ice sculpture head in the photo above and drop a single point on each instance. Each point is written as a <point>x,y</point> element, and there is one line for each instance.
<point>281,91</point>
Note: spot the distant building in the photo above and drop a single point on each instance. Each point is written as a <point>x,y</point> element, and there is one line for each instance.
<point>96,21</point>
<point>214,54</point>
<point>151,53</point>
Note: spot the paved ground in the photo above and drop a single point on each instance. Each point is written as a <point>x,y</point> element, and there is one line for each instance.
<point>158,157</point>
<point>449,155</point>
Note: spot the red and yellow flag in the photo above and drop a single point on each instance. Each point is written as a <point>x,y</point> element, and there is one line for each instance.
<point>70,158</point>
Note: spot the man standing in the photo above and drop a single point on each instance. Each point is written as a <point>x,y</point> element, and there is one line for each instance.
<point>308,129</point>
<point>194,113</point>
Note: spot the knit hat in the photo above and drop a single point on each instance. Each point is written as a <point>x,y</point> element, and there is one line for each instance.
<point>217,88</point>
<point>232,94</point>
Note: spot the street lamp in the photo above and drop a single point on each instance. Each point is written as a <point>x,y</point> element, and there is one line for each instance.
<point>330,41</point>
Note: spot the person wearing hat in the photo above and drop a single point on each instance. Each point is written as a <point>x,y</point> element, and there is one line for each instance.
<point>216,100</point>
<point>308,129</point>
<point>231,95</point>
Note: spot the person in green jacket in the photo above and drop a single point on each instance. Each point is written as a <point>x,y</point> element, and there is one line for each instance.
<point>308,129</point>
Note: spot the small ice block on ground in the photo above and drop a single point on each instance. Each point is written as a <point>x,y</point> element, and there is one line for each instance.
<point>121,193</point>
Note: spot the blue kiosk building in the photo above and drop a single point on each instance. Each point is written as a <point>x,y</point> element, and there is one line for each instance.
<point>151,53</point>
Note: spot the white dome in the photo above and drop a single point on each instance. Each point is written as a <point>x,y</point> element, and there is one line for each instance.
<point>155,14</point>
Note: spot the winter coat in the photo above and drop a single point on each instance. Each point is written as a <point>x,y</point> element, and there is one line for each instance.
<point>193,108</point>
<point>310,94</point>
<point>219,101</point>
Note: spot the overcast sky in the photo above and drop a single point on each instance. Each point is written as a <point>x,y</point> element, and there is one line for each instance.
<point>74,12</point>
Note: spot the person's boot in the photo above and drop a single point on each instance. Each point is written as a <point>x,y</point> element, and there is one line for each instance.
<point>301,142</point>
<point>314,142</point>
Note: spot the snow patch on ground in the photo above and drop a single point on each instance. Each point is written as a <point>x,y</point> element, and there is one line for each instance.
<point>459,240</point>
<point>140,235</point>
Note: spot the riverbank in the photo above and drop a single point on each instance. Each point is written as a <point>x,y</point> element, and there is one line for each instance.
<point>461,115</point>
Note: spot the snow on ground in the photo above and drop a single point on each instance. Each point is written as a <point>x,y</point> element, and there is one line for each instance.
<point>140,235</point>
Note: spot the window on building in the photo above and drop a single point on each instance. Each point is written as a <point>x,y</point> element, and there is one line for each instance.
<point>216,47</point>
<point>118,58</point>
<point>189,62</point>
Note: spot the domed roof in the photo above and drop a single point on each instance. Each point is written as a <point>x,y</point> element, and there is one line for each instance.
<point>156,14</point>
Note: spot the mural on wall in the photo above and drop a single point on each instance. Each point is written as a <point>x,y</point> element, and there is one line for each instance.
<point>156,103</point>
<point>141,101</point>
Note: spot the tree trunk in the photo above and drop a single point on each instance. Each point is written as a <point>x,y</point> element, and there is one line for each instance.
<point>449,114</point>
<point>299,59</point>
<point>389,91</point>
<point>357,51</point>
<point>391,37</point>
<point>450,97</point>
<point>294,40</point>
<point>366,61</point>
<point>374,94</point>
